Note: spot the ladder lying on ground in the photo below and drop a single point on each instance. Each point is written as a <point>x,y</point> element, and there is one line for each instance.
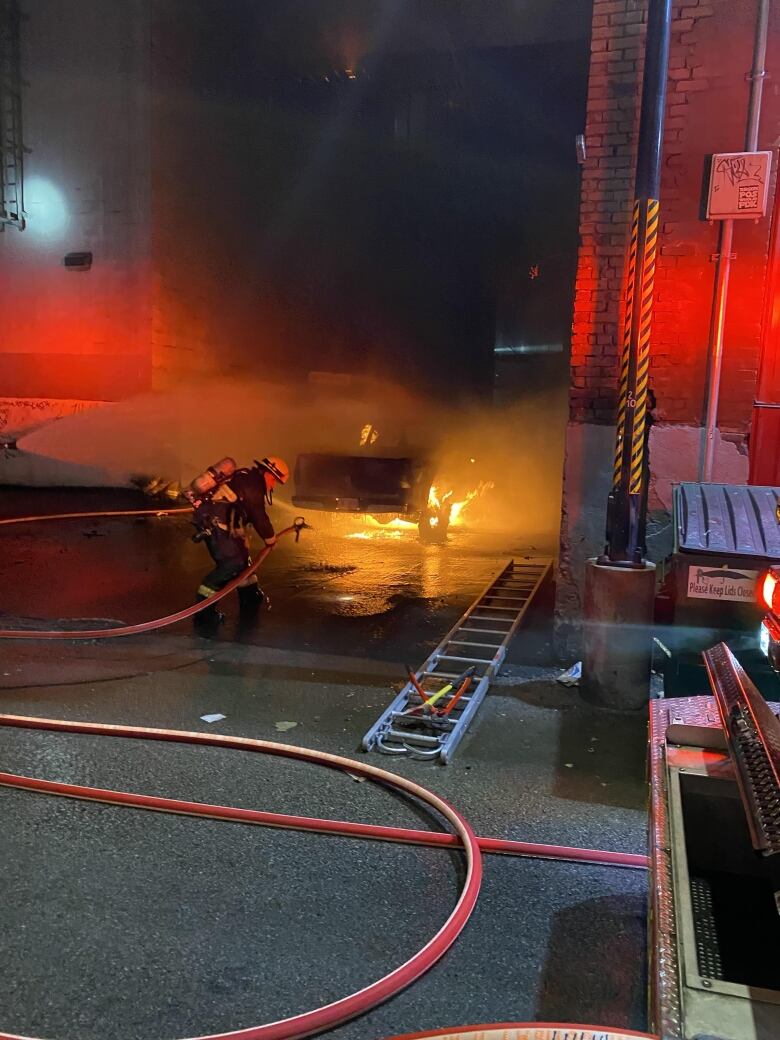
<point>420,722</point>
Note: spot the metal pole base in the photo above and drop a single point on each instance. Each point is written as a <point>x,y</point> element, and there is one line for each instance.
<point>618,618</point>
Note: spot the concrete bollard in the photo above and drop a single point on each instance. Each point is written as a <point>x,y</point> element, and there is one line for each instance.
<point>617,635</point>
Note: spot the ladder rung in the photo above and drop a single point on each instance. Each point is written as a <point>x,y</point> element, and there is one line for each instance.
<point>442,675</point>
<point>412,738</point>
<point>469,660</point>
<point>465,642</point>
<point>402,719</point>
<point>512,610</point>
<point>483,631</point>
<point>509,599</point>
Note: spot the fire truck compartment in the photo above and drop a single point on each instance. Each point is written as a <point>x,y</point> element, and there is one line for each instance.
<point>733,892</point>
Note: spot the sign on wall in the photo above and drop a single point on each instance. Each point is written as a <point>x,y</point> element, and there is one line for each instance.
<point>739,185</point>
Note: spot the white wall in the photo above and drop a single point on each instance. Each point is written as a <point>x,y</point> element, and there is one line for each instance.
<point>68,334</point>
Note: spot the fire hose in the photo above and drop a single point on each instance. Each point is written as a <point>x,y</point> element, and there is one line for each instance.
<point>295,528</point>
<point>340,1011</point>
<point>330,1015</point>
<point>94,515</point>
<point>529,1031</point>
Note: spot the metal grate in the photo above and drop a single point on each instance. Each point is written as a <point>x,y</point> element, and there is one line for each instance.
<point>707,945</point>
<point>753,736</point>
<point>11,144</point>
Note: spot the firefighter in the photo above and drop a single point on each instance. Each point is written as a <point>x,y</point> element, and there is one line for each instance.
<point>225,500</point>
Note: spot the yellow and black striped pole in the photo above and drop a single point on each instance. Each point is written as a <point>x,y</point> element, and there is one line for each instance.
<point>628,499</point>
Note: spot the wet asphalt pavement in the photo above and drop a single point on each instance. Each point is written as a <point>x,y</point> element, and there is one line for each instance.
<point>119,923</point>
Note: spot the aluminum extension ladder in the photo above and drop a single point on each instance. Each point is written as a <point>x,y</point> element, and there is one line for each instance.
<point>486,629</point>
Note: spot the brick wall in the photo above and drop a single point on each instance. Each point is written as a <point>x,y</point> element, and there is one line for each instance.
<point>606,200</point>
<point>711,51</point>
<point>710,54</point>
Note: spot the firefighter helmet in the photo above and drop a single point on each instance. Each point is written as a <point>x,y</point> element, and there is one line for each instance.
<point>277,467</point>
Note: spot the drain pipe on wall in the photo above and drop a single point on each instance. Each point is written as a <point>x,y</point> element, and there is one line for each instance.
<point>765,429</point>
<point>724,255</point>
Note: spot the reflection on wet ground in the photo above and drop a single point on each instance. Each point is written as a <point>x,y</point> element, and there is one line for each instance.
<point>245,923</point>
<point>349,586</point>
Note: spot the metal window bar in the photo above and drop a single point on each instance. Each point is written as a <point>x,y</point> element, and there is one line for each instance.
<point>11,141</point>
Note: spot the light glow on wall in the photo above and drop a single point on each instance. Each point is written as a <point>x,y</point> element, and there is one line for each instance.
<point>46,209</point>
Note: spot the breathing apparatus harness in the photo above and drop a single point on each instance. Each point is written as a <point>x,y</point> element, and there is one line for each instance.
<point>202,492</point>
<point>210,487</point>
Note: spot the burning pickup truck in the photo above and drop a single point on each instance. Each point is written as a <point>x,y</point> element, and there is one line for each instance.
<point>391,489</point>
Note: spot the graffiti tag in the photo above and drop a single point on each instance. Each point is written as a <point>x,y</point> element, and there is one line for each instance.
<point>737,168</point>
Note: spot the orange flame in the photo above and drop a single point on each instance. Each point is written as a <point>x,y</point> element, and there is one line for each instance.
<point>438,503</point>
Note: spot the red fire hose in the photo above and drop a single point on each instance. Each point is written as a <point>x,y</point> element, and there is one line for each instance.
<point>401,835</point>
<point>528,1031</point>
<point>144,626</point>
<point>331,1015</point>
<point>99,515</point>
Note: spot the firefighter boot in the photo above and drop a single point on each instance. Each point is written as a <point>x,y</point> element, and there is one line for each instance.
<point>250,599</point>
<point>209,617</point>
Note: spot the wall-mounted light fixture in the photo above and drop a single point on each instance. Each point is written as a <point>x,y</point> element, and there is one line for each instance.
<point>78,261</point>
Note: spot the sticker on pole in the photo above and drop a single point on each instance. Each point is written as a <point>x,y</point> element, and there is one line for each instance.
<point>739,185</point>
<point>723,583</point>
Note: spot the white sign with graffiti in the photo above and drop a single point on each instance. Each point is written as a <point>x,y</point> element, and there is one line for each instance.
<point>724,583</point>
<point>739,185</point>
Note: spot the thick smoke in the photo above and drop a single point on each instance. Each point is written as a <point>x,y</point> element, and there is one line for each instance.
<point>516,448</point>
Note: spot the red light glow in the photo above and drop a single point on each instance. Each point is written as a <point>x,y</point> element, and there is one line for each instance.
<point>770,590</point>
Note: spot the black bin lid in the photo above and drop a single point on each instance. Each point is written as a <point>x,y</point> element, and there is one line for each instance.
<point>727,520</point>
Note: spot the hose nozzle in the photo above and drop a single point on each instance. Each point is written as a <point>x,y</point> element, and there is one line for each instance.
<point>299,524</point>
